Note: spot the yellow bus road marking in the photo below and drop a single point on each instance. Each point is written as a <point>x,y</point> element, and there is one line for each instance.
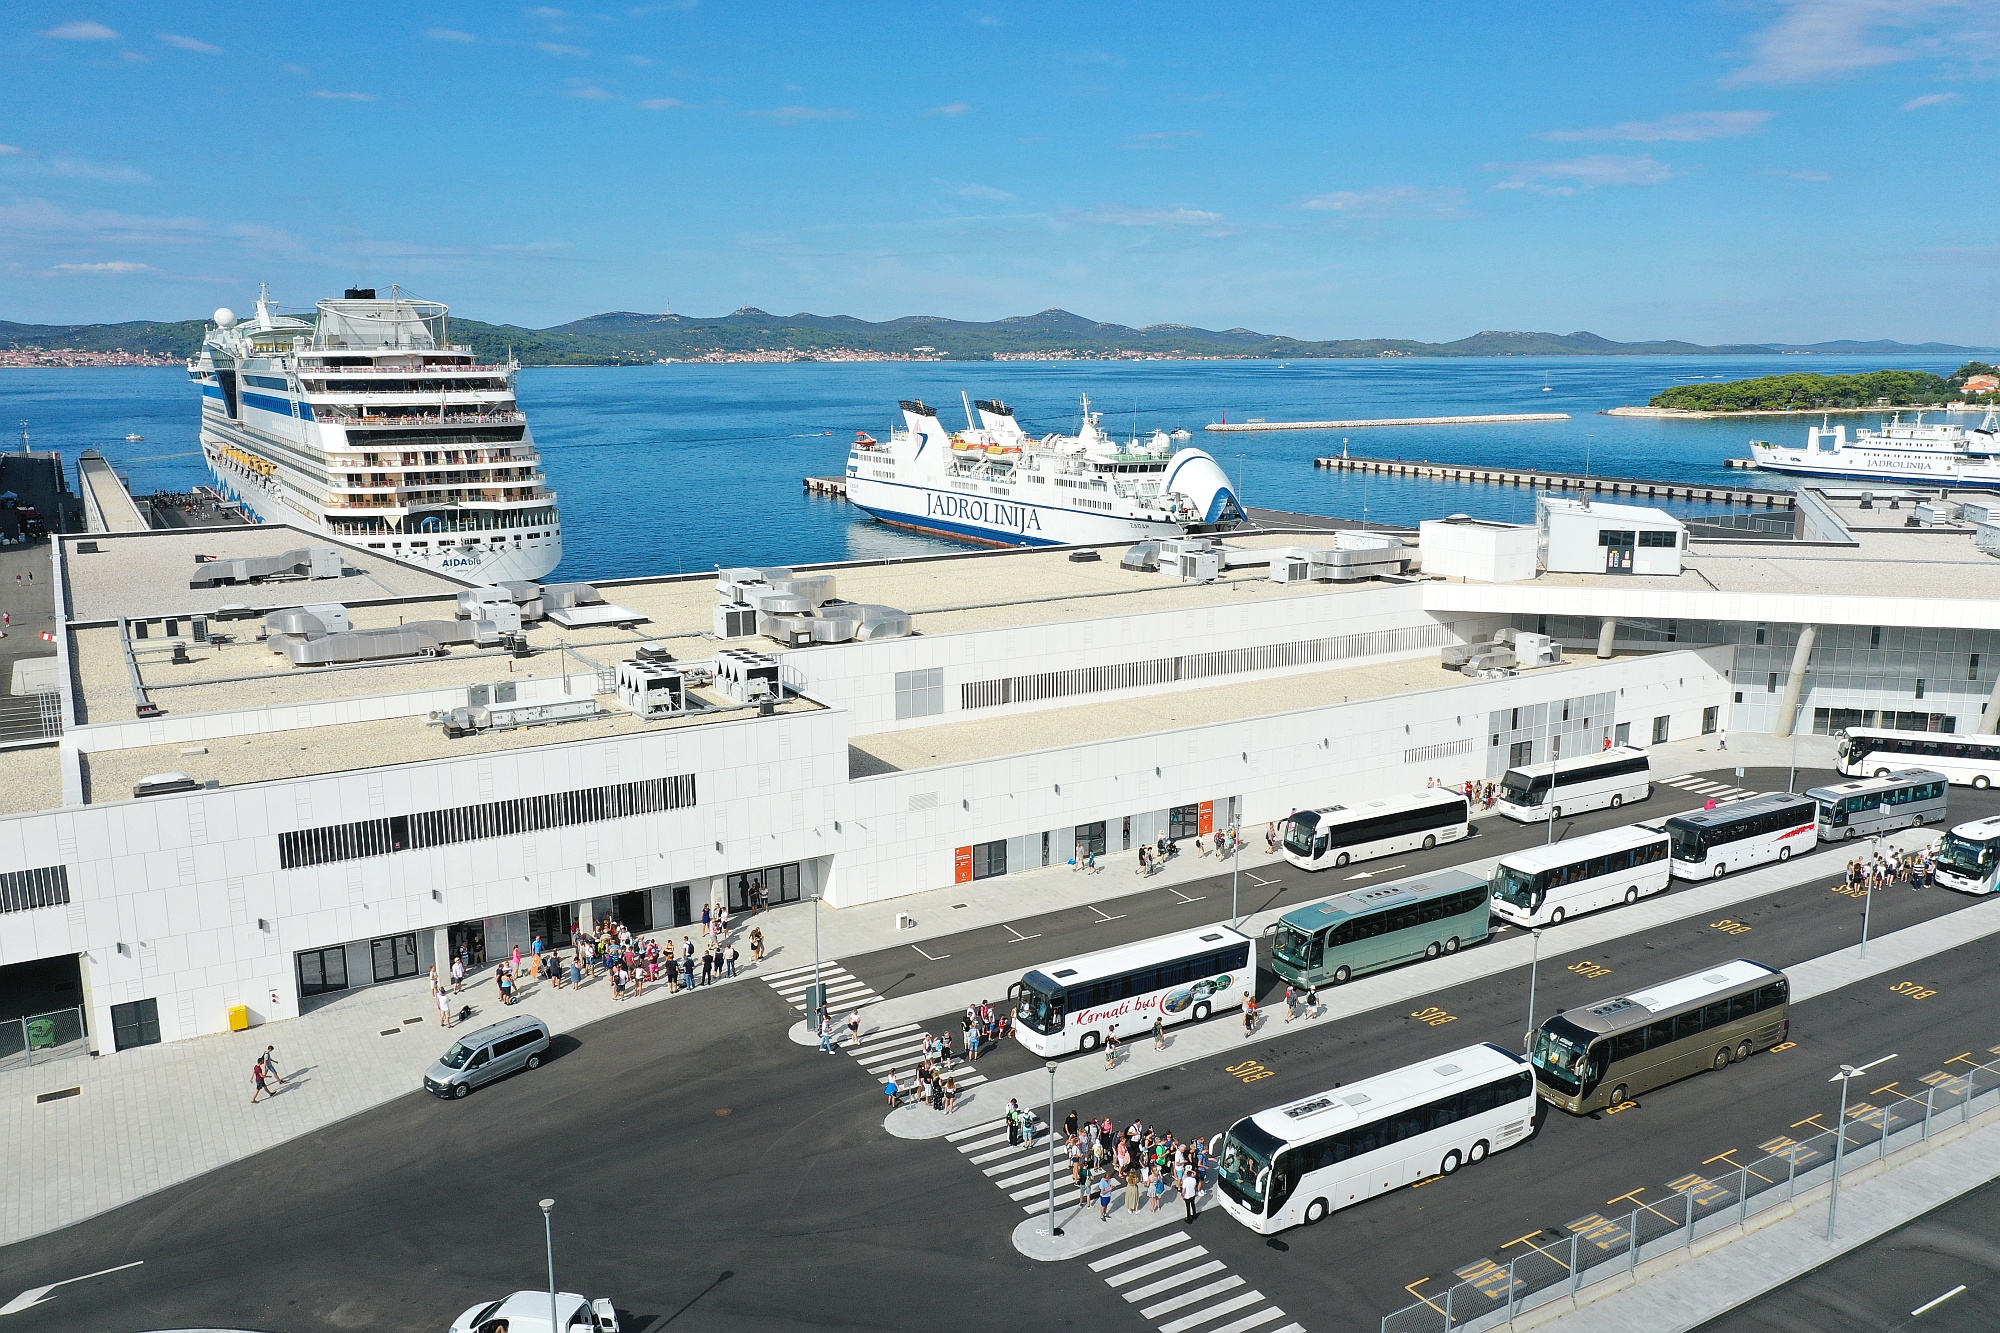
<point>1705,1191</point>
<point>1791,1150</point>
<point>1915,990</point>
<point>1730,926</point>
<point>1626,1105</point>
<point>1432,1016</point>
<point>1523,1240</point>
<point>1590,969</point>
<point>1599,1230</point>
<point>1886,1087</point>
<point>1783,1046</point>
<point>1493,1280</point>
<point>1411,1287</point>
<point>1812,1120</point>
<point>1561,1261</point>
<point>1632,1198</point>
<point>1248,1071</point>
<point>1722,1157</point>
<point>1427,1180</point>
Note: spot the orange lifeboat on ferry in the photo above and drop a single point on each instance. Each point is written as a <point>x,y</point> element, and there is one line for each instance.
<point>960,444</point>
<point>863,440</point>
<point>1005,452</point>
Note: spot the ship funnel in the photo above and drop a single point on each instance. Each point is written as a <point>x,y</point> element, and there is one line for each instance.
<point>925,428</point>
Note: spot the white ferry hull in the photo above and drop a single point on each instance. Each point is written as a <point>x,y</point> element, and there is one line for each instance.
<point>1870,465</point>
<point>994,521</point>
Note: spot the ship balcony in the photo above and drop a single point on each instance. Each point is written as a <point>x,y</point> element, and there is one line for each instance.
<point>517,457</point>
<point>455,416</point>
<point>409,497</point>
<point>426,368</point>
<point>379,485</point>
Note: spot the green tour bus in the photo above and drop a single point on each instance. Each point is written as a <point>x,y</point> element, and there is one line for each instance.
<point>1328,942</point>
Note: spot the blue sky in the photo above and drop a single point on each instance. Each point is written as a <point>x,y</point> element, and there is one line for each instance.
<point>1732,170</point>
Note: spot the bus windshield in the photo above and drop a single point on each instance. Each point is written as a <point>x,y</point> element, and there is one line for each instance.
<point>1968,856</point>
<point>1299,833</point>
<point>1292,944</point>
<point>1042,1003</point>
<point>1517,788</point>
<point>1688,843</point>
<point>1561,1052</point>
<point>1516,887</point>
<point>1247,1153</point>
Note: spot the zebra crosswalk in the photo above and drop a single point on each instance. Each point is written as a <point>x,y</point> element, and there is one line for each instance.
<point>1702,786</point>
<point>1177,1285</point>
<point>881,1051</point>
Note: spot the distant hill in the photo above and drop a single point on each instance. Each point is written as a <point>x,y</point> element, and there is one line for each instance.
<point>628,338</point>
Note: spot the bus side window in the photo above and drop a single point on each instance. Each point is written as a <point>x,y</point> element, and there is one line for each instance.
<point>1628,1044</point>
<point>1687,1025</point>
<point>1316,954</point>
<point>1659,1034</point>
<point>1742,1006</point>
<point>1714,1015</point>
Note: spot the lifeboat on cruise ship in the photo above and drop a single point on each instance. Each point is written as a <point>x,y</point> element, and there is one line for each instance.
<point>961,445</point>
<point>863,440</point>
<point>1006,452</point>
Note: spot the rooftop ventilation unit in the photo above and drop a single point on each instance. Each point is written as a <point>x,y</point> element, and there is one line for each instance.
<point>311,621</point>
<point>419,638</point>
<point>648,690</point>
<point>475,718</point>
<point>746,676</point>
<point>315,562</point>
<point>735,620</point>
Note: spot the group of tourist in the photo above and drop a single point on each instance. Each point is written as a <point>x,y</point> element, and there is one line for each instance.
<point>1478,795</point>
<point>1221,843</point>
<point>1144,1163</point>
<point>1889,867</point>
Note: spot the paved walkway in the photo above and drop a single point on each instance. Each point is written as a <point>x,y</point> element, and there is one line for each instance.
<point>147,1119</point>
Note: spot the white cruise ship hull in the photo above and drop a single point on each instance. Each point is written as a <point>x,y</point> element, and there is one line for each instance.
<point>996,520</point>
<point>1879,464</point>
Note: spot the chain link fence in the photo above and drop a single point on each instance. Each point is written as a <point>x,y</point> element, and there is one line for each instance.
<point>1602,1246</point>
<point>39,1038</point>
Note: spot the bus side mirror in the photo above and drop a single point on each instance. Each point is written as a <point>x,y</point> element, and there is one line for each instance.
<point>1264,1181</point>
<point>1215,1145</point>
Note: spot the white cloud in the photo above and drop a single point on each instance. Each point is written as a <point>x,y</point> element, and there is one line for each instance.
<point>563,50</point>
<point>794,115</point>
<point>1931,99</point>
<point>662,103</point>
<point>1121,215</point>
<point>9,150</point>
<point>637,60</point>
<point>82,30</point>
<point>296,69</point>
<point>107,173</point>
<point>987,192</point>
<point>40,220</point>
<point>1391,201</point>
<point>1160,139</point>
<point>1578,174</point>
<point>113,266</point>
<point>194,44</point>
<point>546,14</point>
<point>449,35</point>
<point>1820,39</point>
<point>343,97</point>
<point>533,248</point>
<point>1687,127</point>
<point>950,109</point>
<point>589,92</point>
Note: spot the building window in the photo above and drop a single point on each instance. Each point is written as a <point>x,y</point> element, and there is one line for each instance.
<point>1920,687</point>
<point>1515,723</point>
<point>1661,725</point>
<point>1184,821</point>
<point>1738,698</point>
<point>989,859</point>
<point>1520,754</point>
<point>1090,839</point>
<point>1709,720</point>
<point>1875,637</point>
<point>779,884</point>
<point>1760,633</point>
<point>1972,670</point>
<point>394,957</point>
<point>322,970</point>
<point>135,1024</point>
<point>48,886</point>
<point>1659,539</point>
<point>919,693</point>
<point>1770,686</point>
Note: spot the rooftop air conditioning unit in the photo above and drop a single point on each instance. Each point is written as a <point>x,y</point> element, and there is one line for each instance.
<point>1197,566</point>
<point>735,620</point>
<point>1291,569</point>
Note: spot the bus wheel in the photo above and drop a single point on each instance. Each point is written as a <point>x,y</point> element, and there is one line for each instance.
<point>1917,821</point>
<point>1980,783</point>
<point>1433,949</point>
<point>1851,832</point>
<point>1201,1012</point>
<point>1742,1050</point>
<point>1555,812</point>
<point>1620,1095</point>
<point>1340,861</point>
<point>1556,917</point>
<point>1617,800</point>
<point>1720,870</point>
<point>1722,1059</point>
<point>1316,1211</point>
<point>1340,976</point>
<point>1090,1041</point>
<point>1784,853</point>
<point>1451,945</point>
<point>1478,1153</point>
<point>1430,839</point>
<point>1450,1163</point>
<point>1632,895</point>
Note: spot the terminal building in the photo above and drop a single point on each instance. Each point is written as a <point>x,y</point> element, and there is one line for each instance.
<point>279,768</point>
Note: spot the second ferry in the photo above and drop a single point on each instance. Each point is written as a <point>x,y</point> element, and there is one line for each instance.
<point>1935,453</point>
<point>365,422</point>
<point>993,483</point>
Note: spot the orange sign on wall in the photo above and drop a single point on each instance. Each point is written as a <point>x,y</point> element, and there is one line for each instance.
<point>963,866</point>
<point>1208,816</point>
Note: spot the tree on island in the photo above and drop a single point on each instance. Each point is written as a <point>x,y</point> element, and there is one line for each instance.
<point>1805,393</point>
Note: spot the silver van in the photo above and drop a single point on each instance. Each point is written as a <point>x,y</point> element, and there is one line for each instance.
<point>490,1053</point>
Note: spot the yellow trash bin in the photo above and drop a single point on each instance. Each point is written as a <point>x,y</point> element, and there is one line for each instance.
<point>239,1017</point>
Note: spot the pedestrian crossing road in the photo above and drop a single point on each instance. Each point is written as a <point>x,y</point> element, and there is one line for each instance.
<point>1177,1285</point>
<point>881,1051</point>
<point>1702,786</point>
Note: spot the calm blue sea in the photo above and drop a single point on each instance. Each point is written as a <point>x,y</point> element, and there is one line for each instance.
<point>670,468</point>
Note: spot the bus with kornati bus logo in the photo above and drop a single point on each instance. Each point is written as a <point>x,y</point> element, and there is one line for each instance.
<point>1078,1003</point>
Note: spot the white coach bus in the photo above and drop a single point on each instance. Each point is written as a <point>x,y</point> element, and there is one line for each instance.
<point>1338,834</point>
<point>1969,761</point>
<point>1868,806</point>
<point>1073,1005</point>
<point>1295,1164</point>
<point>1708,844</point>
<point>1571,786</point>
<point>1968,857</point>
<point>1543,886</point>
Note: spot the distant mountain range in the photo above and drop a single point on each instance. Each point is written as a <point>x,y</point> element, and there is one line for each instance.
<point>626,338</point>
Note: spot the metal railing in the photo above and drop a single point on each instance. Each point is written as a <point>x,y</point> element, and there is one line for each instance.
<point>1600,1248</point>
<point>31,717</point>
<point>39,1038</point>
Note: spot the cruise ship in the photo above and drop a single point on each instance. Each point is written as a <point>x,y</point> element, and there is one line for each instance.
<point>991,483</point>
<point>365,422</point>
<point>1934,453</point>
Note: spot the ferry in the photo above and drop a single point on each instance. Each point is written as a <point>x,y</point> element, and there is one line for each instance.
<point>366,423</point>
<point>993,484</point>
<point>1937,453</point>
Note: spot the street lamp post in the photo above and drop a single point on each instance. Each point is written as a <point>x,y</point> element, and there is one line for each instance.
<point>1548,753</point>
<point>1868,893</point>
<point>1534,962</point>
<point>819,991</point>
<point>1235,864</point>
<point>549,1236</point>
<point>1054,1230</point>
<point>1846,1073</point>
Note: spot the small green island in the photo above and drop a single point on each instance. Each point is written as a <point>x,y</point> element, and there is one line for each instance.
<point>1971,383</point>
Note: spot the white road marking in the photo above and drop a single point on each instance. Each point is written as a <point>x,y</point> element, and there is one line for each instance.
<point>1018,936</point>
<point>1370,874</point>
<point>1102,915</point>
<point>1928,1305</point>
<point>1185,899</point>
<point>935,958</point>
<point>34,1296</point>
<point>1262,883</point>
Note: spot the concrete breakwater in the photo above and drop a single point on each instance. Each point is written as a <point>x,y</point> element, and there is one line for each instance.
<point>1499,417</point>
<point>1630,488</point>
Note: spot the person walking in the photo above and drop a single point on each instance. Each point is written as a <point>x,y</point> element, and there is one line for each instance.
<point>1190,1191</point>
<point>889,1089</point>
<point>257,1077</point>
<point>1312,1002</point>
<point>1013,1122</point>
<point>458,975</point>
<point>1131,1189</point>
<point>1722,738</point>
<point>444,1007</point>
<point>1159,1033</point>
<point>825,1034</point>
<point>1249,1014</point>
<point>1104,1189</point>
<point>1110,1049</point>
<point>756,944</point>
<point>1291,1004</point>
<point>950,1095</point>
<point>270,1062</point>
